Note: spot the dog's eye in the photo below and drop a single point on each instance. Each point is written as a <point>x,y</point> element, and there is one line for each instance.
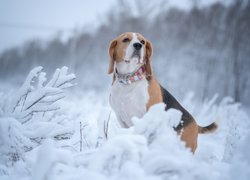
<point>142,41</point>
<point>125,40</point>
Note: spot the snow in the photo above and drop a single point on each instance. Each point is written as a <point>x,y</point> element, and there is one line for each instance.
<point>81,139</point>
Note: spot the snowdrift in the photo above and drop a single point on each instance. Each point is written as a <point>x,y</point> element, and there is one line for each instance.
<point>46,136</point>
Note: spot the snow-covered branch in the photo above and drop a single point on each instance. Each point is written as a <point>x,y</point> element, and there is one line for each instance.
<point>30,113</point>
<point>35,96</point>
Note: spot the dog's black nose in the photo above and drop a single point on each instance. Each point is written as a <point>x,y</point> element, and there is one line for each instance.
<point>137,46</point>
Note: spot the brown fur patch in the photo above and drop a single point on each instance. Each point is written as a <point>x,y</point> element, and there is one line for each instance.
<point>189,135</point>
<point>154,91</point>
<point>112,46</point>
<point>117,50</point>
<point>148,58</point>
<point>121,46</point>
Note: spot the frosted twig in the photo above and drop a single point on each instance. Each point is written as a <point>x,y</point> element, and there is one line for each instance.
<point>80,136</point>
<point>103,127</point>
<point>25,88</point>
<point>106,126</point>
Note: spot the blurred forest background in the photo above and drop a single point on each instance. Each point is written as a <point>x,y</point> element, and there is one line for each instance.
<point>204,50</point>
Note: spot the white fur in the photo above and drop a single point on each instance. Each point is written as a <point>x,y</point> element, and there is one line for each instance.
<point>129,100</point>
<point>133,63</point>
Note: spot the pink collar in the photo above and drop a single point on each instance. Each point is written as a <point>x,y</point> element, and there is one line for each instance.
<point>129,78</point>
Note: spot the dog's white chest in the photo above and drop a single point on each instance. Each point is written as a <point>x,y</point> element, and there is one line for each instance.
<point>129,100</point>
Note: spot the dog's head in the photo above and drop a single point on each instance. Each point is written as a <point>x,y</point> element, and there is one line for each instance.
<point>128,52</point>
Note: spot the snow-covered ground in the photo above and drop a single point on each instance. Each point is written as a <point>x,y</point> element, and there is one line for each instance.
<point>45,135</point>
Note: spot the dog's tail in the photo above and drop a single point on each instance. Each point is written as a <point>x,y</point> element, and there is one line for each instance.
<point>207,129</point>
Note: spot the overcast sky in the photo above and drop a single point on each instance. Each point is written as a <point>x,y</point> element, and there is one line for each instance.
<point>21,20</point>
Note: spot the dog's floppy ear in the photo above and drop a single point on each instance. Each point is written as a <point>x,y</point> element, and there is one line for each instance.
<point>112,46</point>
<point>148,58</point>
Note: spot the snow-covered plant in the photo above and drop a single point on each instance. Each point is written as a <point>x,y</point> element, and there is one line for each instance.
<point>29,114</point>
<point>237,126</point>
<point>103,126</point>
<point>35,96</point>
<point>152,127</point>
<point>99,149</point>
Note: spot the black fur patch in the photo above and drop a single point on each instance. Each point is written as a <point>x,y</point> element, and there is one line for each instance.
<point>171,102</point>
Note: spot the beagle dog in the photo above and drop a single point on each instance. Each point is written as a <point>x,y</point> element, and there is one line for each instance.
<point>135,88</point>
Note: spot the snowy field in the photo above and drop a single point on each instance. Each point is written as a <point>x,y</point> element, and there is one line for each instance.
<point>51,131</point>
